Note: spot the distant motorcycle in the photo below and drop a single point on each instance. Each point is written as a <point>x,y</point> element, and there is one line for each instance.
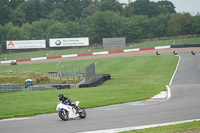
<point>65,111</point>
<point>13,63</point>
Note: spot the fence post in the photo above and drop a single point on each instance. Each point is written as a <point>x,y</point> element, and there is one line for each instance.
<point>79,72</point>
<point>58,70</point>
<point>65,70</point>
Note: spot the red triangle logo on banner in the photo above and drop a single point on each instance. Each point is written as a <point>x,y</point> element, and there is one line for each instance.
<point>11,43</point>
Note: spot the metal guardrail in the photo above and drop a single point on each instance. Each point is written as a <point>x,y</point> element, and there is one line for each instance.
<point>4,88</point>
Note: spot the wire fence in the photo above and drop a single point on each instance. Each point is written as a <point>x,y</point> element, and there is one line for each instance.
<point>76,71</point>
<point>11,72</point>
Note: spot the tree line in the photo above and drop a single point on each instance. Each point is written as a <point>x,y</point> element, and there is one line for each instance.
<point>96,19</point>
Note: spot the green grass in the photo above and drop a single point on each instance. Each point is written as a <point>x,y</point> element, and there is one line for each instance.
<point>47,53</point>
<point>167,42</point>
<point>133,78</point>
<point>190,126</point>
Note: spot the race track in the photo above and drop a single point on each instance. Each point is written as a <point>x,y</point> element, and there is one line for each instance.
<point>183,105</point>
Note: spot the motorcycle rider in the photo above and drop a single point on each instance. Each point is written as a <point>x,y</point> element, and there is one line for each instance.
<point>64,100</point>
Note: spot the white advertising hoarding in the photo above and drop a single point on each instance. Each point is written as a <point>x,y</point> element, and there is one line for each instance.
<point>66,42</point>
<point>26,44</point>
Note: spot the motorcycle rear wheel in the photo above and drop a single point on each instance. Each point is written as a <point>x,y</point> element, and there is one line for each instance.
<point>63,116</point>
<point>83,114</point>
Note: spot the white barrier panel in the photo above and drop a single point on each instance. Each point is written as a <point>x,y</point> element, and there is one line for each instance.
<point>66,42</point>
<point>26,44</point>
<point>131,50</point>
<point>162,47</point>
<point>98,53</point>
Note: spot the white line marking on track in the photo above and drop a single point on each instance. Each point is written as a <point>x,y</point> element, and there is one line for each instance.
<point>116,130</point>
<point>175,70</point>
<point>16,119</point>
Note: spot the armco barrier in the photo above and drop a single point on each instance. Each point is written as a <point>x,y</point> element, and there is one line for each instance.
<point>162,47</point>
<point>85,54</point>
<point>23,60</point>
<point>61,86</point>
<point>185,45</point>
<point>39,58</point>
<point>54,57</point>
<point>117,51</point>
<point>151,48</point>
<point>68,56</point>
<point>100,53</point>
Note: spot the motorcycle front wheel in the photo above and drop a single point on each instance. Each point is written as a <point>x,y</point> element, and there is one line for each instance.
<point>64,115</point>
<point>83,114</point>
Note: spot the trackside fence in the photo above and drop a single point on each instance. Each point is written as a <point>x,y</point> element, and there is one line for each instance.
<point>76,71</point>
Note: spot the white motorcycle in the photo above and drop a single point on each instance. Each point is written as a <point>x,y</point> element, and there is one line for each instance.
<point>65,111</point>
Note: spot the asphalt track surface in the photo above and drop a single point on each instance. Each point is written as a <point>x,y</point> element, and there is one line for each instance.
<point>183,105</point>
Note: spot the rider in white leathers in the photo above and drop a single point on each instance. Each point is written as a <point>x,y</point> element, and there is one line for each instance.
<point>65,100</point>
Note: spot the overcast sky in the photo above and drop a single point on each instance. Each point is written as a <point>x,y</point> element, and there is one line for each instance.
<point>191,6</point>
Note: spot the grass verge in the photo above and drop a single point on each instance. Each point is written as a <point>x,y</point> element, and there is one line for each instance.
<point>133,78</point>
<point>190,126</point>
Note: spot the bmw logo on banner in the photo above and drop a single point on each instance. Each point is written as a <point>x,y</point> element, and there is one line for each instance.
<point>69,42</point>
<point>58,42</point>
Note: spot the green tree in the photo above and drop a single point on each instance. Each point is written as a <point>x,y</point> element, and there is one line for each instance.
<point>135,28</point>
<point>196,24</point>
<point>1,33</point>
<point>57,30</point>
<point>12,32</point>
<point>149,8</point>
<point>39,28</point>
<point>86,3</point>
<point>103,25</point>
<point>17,17</point>
<point>32,10</point>
<point>76,30</point>
<point>179,24</point>
<point>14,4</point>
<point>128,10</point>
<point>2,38</point>
<point>71,8</point>
<point>91,9</point>
<point>4,11</point>
<point>47,6</point>
<point>158,25</point>
<point>145,7</point>
<point>26,31</point>
<point>167,5</point>
<point>58,15</point>
<point>109,5</point>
